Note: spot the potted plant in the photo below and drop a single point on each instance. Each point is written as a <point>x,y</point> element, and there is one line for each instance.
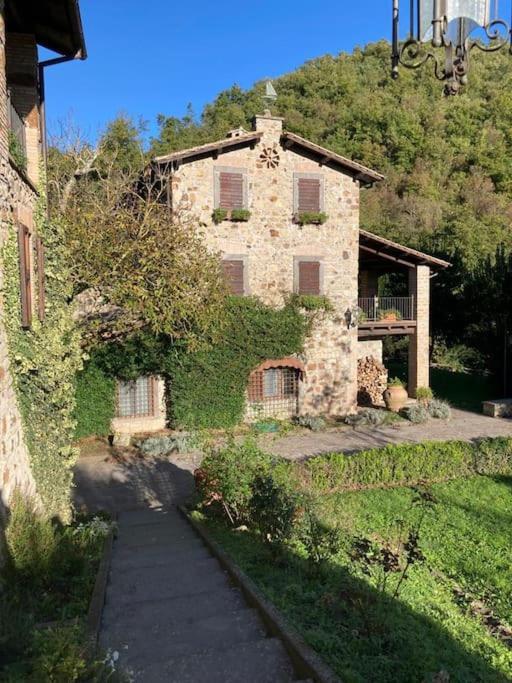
<point>391,314</point>
<point>395,396</point>
<point>311,218</point>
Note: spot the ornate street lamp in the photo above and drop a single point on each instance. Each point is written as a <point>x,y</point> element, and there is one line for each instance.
<point>443,31</point>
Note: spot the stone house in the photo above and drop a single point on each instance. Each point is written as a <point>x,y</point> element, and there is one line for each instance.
<point>284,214</point>
<point>25,25</point>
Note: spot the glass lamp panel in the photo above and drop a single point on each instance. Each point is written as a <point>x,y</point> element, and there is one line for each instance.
<point>474,12</point>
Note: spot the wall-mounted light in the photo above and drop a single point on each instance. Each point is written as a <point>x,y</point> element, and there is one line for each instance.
<point>446,31</point>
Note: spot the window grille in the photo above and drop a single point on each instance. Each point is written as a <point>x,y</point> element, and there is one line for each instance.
<point>136,398</point>
<point>274,392</point>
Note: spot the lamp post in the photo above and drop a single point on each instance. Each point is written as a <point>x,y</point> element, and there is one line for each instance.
<point>445,32</point>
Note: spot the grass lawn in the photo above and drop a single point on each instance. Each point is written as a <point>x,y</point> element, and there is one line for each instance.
<point>365,634</point>
<point>464,390</point>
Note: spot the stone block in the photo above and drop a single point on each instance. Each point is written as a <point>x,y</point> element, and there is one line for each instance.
<point>498,408</point>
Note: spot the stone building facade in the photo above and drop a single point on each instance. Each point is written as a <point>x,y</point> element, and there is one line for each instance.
<point>266,250</point>
<point>21,30</point>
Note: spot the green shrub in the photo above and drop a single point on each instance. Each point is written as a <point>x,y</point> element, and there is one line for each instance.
<point>389,313</point>
<point>320,541</point>
<point>493,456</point>
<point>273,509</point>
<point>224,480</point>
<point>368,416</point>
<point>240,215</point>
<point>424,394</point>
<point>457,358</point>
<point>60,655</point>
<point>395,382</point>
<point>311,302</point>
<point>219,215</point>
<point>439,409</point>
<point>313,422</point>
<point>397,465</point>
<point>16,152</point>
<point>311,218</point>
<point>417,413</point>
<point>95,402</point>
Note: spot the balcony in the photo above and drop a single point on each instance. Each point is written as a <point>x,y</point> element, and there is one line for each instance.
<point>380,316</point>
<point>17,136</point>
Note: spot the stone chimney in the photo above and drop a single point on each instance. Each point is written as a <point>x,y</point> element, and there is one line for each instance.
<point>270,126</point>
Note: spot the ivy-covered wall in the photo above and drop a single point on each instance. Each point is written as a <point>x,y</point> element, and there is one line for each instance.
<point>206,388</point>
<point>44,361</point>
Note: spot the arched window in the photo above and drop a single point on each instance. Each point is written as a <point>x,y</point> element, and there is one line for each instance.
<point>273,389</point>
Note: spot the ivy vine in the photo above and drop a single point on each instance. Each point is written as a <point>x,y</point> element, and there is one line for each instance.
<point>44,361</point>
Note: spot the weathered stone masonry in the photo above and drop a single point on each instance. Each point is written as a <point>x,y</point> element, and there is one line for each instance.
<point>17,199</point>
<point>271,240</point>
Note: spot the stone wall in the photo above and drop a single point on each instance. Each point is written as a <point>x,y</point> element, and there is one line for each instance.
<point>271,240</point>
<point>16,198</point>
<point>371,348</point>
<point>419,355</point>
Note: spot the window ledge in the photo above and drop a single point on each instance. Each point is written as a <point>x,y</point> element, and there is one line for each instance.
<point>23,175</point>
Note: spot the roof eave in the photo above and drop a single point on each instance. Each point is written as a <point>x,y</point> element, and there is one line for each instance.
<point>361,173</point>
<point>419,257</point>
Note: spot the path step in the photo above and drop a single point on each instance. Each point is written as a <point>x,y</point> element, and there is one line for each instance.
<point>183,609</point>
<point>163,641</point>
<point>126,553</point>
<point>143,535</point>
<point>259,661</point>
<point>141,585</point>
<point>189,551</point>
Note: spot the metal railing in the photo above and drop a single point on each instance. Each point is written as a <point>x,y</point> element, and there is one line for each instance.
<point>386,308</point>
<point>17,127</point>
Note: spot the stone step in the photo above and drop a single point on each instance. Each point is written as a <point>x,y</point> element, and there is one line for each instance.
<point>121,552</point>
<point>161,642</point>
<point>143,535</point>
<point>259,661</point>
<point>178,610</point>
<point>145,516</point>
<point>150,584</point>
<point>183,553</point>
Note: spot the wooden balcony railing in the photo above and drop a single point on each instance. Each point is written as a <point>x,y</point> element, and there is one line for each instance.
<point>386,308</point>
<point>17,134</point>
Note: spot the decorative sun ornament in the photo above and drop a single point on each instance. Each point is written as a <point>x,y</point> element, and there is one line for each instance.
<point>269,157</point>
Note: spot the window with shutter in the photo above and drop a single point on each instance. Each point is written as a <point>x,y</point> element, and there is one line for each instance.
<point>25,275</point>
<point>234,272</point>
<point>308,277</point>
<point>41,293</point>
<point>308,193</point>
<point>230,188</point>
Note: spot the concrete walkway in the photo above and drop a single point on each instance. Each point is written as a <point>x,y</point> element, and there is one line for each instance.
<point>463,425</point>
<point>170,610</point>
<point>172,614</point>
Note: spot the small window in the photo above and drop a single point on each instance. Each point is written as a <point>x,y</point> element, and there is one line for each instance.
<point>136,398</point>
<point>25,262</point>
<point>274,390</point>
<point>230,188</point>
<point>308,193</point>
<point>308,277</point>
<point>234,273</point>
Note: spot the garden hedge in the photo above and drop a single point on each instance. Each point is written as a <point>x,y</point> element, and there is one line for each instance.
<point>407,465</point>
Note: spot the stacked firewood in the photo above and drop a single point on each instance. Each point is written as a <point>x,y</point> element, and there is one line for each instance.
<point>372,380</point>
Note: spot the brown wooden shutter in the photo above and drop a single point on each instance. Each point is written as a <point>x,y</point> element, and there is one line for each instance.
<point>309,277</point>
<point>309,195</point>
<point>41,293</point>
<point>25,275</point>
<point>231,190</point>
<point>234,274</point>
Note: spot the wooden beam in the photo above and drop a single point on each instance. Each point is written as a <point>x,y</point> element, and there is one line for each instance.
<point>387,256</point>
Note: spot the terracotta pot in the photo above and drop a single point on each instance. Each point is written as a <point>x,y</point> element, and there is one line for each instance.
<point>395,398</point>
<point>390,317</point>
